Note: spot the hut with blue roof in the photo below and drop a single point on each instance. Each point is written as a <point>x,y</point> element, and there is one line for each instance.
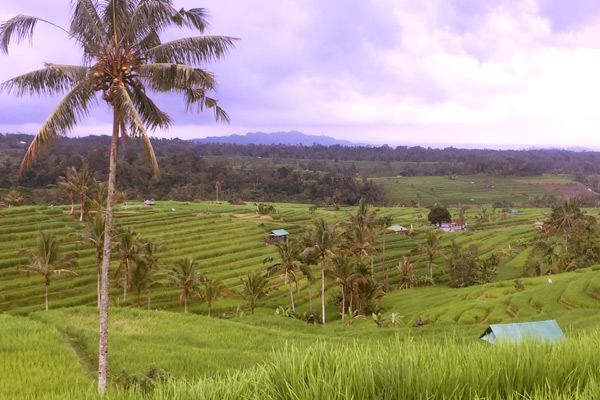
<point>277,236</point>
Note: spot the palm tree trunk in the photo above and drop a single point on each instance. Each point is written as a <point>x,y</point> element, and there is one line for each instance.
<point>292,296</point>
<point>351,298</point>
<point>112,175</point>
<point>149,299</point>
<point>431,267</point>
<point>125,285</point>
<point>383,261</point>
<point>309,296</point>
<point>99,268</point>
<point>343,303</point>
<point>323,290</point>
<point>185,304</point>
<point>82,201</point>
<point>47,284</point>
<point>209,308</point>
<point>72,206</point>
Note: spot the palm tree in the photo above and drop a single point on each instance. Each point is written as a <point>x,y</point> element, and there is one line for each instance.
<point>432,246</point>
<point>289,254</point>
<point>184,275</point>
<point>128,251</point>
<point>310,279</point>
<point>564,218</point>
<point>343,273</point>
<point>214,289</point>
<point>254,289</point>
<point>322,240</point>
<point>83,182</point>
<point>67,188</point>
<point>93,235</point>
<point>13,198</point>
<point>151,266</point>
<point>48,260</point>
<point>384,222</point>
<point>123,55</point>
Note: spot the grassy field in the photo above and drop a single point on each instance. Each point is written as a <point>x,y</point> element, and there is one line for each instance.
<point>269,356</point>
<point>470,190</point>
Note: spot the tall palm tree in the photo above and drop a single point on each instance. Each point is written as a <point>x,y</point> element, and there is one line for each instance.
<point>343,272</point>
<point>289,254</point>
<point>254,289</point>
<point>123,56</point>
<point>433,246</point>
<point>323,240</point>
<point>48,260</point>
<point>564,218</point>
<point>84,181</point>
<point>184,275</point>
<point>128,250</point>
<point>214,289</point>
<point>384,222</point>
<point>93,235</point>
<point>66,187</point>
<point>151,265</point>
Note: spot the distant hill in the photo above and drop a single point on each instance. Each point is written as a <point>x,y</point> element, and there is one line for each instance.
<point>288,138</point>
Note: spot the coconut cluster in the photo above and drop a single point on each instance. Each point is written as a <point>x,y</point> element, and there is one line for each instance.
<point>111,70</point>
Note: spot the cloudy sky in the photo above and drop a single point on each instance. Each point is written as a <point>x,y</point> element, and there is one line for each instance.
<point>475,73</point>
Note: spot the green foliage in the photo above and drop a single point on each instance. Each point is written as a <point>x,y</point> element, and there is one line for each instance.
<point>438,214</point>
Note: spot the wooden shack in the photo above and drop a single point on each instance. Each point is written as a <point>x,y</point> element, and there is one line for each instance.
<point>277,236</point>
<point>398,230</point>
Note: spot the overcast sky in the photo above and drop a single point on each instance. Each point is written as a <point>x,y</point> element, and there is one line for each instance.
<point>476,73</point>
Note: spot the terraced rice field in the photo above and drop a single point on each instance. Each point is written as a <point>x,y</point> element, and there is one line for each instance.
<point>228,241</point>
<point>469,190</point>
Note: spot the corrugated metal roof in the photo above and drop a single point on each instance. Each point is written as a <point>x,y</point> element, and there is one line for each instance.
<point>279,232</point>
<point>537,330</point>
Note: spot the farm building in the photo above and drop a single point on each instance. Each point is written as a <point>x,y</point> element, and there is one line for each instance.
<point>277,236</point>
<point>538,330</point>
<point>539,224</point>
<point>454,226</point>
<point>398,230</point>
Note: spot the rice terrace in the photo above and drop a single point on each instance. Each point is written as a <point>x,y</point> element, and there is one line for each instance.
<point>287,265</point>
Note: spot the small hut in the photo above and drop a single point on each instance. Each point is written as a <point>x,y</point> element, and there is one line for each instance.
<point>538,330</point>
<point>398,230</point>
<point>454,226</point>
<point>277,236</point>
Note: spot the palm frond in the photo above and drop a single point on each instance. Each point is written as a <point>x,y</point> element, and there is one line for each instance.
<point>149,16</point>
<point>193,18</point>
<point>18,29</point>
<point>149,41</point>
<point>163,77</point>
<point>149,112</point>
<point>116,17</point>
<point>196,97</point>
<point>61,120</point>
<point>48,81</point>
<point>127,111</point>
<point>87,24</point>
<point>193,50</point>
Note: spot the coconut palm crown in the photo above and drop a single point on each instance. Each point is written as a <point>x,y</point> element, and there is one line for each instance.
<point>123,59</point>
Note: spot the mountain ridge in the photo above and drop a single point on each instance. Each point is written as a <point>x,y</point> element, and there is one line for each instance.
<point>287,138</point>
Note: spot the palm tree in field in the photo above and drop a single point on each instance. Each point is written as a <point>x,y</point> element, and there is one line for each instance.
<point>13,198</point>
<point>310,279</point>
<point>124,60</point>
<point>184,275</point>
<point>254,289</point>
<point>432,246</point>
<point>66,186</point>
<point>384,222</point>
<point>93,235</point>
<point>48,260</point>
<point>214,289</point>
<point>150,266</point>
<point>343,272</point>
<point>84,181</point>
<point>128,251</point>
<point>322,240</point>
<point>564,218</point>
<point>289,254</point>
